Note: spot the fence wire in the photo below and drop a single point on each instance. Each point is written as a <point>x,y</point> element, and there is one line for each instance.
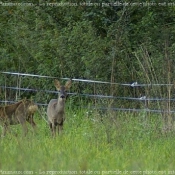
<point>102,95</point>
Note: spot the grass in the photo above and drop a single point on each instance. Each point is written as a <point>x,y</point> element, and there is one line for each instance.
<point>118,144</point>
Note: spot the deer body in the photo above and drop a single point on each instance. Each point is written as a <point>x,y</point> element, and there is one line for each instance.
<point>18,113</point>
<point>56,111</point>
<point>56,108</point>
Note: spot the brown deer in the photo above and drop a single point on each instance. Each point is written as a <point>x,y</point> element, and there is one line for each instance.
<point>56,108</point>
<point>18,113</point>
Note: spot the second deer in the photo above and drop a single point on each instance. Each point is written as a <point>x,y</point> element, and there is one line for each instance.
<point>56,108</point>
<point>16,113</point>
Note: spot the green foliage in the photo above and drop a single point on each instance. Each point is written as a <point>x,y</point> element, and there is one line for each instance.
<point>122,43</point>
<point>82,41</point>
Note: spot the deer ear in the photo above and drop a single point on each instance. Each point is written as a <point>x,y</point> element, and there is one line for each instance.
<point>68,84</point>
<point>57,84</point>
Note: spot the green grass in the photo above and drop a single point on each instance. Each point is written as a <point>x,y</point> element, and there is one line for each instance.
<point>119,143</point>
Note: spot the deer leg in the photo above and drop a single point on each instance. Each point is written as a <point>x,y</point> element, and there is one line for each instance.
<point>30,120</point>
<point>22,121</point>
<point>53,129</point>
<point>22,118</point>
<point>60,128</point>
<point>25,129</point>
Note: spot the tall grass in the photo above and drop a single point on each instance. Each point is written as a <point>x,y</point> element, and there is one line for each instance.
<point>91,144</point>
<point>152,72</point>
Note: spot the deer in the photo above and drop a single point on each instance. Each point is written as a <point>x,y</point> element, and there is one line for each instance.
<point>18,113</point>
<point>56,108</point>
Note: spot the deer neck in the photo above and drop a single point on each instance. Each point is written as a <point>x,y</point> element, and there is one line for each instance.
<point>60,104</point>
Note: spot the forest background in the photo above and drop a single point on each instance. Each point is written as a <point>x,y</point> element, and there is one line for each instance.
<point>114,41</point>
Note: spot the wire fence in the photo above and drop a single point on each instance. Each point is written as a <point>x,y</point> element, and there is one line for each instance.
<point>139,98</point>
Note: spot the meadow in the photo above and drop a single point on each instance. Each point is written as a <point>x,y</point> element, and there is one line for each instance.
<point>92,143</point>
